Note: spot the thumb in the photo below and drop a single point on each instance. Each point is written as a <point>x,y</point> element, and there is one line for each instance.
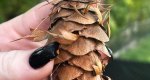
<point>27,65</point>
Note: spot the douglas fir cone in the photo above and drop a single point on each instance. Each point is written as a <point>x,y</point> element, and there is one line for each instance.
<point>82,28</point>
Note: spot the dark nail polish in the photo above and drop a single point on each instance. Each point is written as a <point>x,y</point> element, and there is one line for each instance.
<point>110,52</point>
<point>42,56</point>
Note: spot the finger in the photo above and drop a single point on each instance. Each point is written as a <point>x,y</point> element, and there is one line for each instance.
<point>20,26</point>
<point>27,66</point>
<point>14,65</point>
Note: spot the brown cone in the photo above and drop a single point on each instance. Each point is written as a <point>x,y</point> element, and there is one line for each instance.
<point>82,52</point>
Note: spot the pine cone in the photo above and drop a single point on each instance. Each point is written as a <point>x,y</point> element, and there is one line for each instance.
<point>79,25</point>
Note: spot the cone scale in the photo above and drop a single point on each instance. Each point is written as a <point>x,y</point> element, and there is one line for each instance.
<point>82,52</point>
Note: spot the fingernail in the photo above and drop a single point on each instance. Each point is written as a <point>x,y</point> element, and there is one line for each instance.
<point>43,55</point>
<point>110,52</point>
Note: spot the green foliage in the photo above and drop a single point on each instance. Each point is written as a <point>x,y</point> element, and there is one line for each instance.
<point>140,52</point>
<point>125,12</point>
<point>12,8</point>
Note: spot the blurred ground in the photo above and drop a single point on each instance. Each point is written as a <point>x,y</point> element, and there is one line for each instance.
<point>130,41</point>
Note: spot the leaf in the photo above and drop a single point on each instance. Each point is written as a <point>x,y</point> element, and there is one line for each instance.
<point>63,56</point>
<point>97,70</point>
<point>64,37</point>
<point>36,36</point>
<point>62,13</point>
<point>39,35</point>
<point>77,11</point>
<point>86,61</point>
<point>80,47</point>
<point>68,26</point>
<point>55,1</point>
<point>83,0</point>
<point>99,15</point>
<point>68,72</point>
<point>89,76</point>
<point>103,50</point>
<point>68,35</point>
<point>108,26</point>
<point>89,18</point>
<point>95,32</point>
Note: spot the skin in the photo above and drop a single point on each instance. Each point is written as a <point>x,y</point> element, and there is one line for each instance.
<point>14,56</point>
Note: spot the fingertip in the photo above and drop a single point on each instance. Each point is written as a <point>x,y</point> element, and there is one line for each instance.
<point>44,71</point>
<point>25,71</point>
<point>47,69</point>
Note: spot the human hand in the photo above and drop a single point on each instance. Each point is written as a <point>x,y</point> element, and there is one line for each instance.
<point>14,56</point>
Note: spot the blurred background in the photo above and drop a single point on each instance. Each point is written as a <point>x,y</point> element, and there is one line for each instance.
<point>130,38</point>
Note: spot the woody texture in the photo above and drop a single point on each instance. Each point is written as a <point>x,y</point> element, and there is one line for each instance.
<point>82,29</point>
